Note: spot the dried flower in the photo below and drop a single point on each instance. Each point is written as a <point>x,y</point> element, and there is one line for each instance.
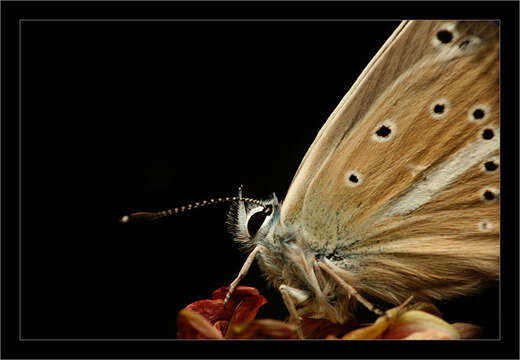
<point>209,319</point>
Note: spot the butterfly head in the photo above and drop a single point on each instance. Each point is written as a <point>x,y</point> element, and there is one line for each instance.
<point>253,224</point>
<point>257,228</point>
<point>283,255</point>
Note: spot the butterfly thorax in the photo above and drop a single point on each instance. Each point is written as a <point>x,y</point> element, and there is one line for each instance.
<point>289,261</point>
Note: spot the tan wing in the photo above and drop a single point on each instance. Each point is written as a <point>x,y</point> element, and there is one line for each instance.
<point>391,60</point>
<point>403,183</point>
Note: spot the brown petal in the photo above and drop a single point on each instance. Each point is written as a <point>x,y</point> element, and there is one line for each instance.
<point>468,331</point>
<point>426,307</point>
<point>212,310</point>
<point>378,328</point>
<point>322,328</point>
<point>374,331</point>
<point>247,308</point>
<point>415,321</point>
<point>243,306</point>
<point>221,326</point>
<point>239,293</point>
<point>428,335</point>
<point>192,325</point>
<point>262,329</point>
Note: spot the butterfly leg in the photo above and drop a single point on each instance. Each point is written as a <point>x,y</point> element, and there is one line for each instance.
<point>350,290</point>
<point>243,272</point>
<point>292,296</point>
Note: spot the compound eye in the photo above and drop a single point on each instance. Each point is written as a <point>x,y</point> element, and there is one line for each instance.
<point>255,221</point>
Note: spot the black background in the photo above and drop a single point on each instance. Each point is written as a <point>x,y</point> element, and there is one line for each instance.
<point>128,116</point>
<point>123,116</point>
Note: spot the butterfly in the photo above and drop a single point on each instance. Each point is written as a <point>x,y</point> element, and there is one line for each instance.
<point>398,195</point>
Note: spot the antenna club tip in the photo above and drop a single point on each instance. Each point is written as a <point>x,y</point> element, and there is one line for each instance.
<point>124,219</point>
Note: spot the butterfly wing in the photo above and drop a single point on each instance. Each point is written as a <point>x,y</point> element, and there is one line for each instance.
<point>390,61</point>
<point>400,188</point>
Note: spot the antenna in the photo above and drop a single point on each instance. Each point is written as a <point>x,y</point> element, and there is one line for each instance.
<point>151,216</point>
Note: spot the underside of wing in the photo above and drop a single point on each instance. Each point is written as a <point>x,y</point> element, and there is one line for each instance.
<point>405,182</point>
<point>448,246</point>
<point>392,60</point>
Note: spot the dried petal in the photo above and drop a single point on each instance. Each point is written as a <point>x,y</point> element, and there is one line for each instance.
<point>377,329</point>
<point>212,310</point>
<point>322,328</point>
<point>221,326</point>
<point>398,323</point>
<point>239,293</point>
<point>415,321</point>
<point>426,307</point>
<point>374,331</point>
<point>192,325</point>
<point>247,308</point>
<point>428,335</point>
<point>262,329</point>
<point>468,331</point>
<point>243,306</point>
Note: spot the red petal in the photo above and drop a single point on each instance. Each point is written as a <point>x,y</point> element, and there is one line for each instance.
<point>191,325</point>
<point>242,306</point>
<point>212,310</point>
<point>322,328</point>
<point>247,308</point>
<point>239,293</point>
<point>221,326</point>
<point>262,329</point>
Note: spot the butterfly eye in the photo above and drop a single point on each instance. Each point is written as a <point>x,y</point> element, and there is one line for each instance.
<point>478,113</point>
<point>255,221</point>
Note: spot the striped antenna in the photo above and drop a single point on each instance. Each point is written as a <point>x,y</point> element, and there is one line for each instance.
<point>150,216</point>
